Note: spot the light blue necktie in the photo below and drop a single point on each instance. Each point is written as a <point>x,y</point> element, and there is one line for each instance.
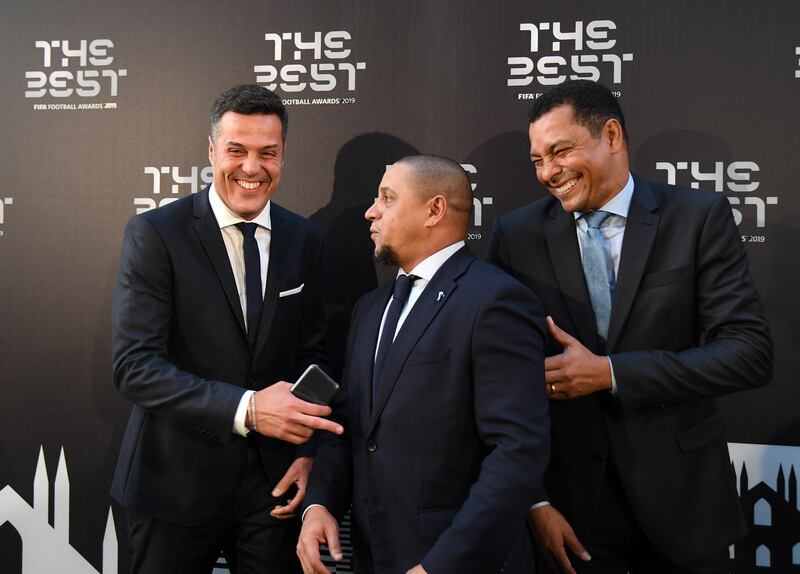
<point>596,270</point>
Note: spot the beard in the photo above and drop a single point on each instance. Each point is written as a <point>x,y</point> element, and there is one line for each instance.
<point>387,256</point>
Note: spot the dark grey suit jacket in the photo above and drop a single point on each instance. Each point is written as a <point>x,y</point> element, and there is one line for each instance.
<point>180,354</point>
<point>686,326</point>
<point>441,469</point>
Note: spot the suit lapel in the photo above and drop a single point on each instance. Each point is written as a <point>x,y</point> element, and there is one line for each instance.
<point>565,255</point>
<point>276,273</point>
<point>207,229</point>
<point>640,232</point>
<point>426,308</point>
<point>366,346</point>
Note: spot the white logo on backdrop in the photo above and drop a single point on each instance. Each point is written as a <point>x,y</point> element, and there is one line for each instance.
<point>170,183</point>
<point>557,52</point>
<point>478,203</point>
<point>766,478</point>
<point>797,71</point>
<point>74,69</point>
<point>46,548</point>
<point>319,62</point>
<point>738,177</point>
<point>4,203</point>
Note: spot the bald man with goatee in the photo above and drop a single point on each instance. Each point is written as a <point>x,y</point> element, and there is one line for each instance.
<point>443,399</point>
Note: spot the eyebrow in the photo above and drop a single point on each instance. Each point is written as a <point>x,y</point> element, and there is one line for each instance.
<point>554,145</point>
<point>237,144</point>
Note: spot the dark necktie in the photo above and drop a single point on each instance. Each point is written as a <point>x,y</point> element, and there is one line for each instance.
<point>596,270</point>
<point>252,280</point>
<point>402,287</point>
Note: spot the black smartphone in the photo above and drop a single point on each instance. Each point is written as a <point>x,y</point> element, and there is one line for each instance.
<point>315,386</point>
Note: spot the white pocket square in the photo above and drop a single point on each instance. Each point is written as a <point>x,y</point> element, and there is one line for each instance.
<point>290,292</point>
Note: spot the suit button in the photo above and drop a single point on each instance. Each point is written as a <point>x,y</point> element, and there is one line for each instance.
<point>372,446</point>
<point>597,457</point>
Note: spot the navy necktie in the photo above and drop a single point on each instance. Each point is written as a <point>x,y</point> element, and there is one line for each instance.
<point>596,270</point>
<point>252,280</point>
<point>402,287</point>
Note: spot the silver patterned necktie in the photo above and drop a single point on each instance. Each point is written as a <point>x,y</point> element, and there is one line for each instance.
<point>596,270</point>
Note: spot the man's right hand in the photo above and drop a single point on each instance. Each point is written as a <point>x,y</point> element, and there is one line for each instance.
<point>552,533</point>
<point>282,415</point>
<point>319,527</point>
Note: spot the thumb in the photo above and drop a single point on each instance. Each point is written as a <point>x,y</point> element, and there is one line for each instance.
<point>332,535</point>
<point>558,334</point>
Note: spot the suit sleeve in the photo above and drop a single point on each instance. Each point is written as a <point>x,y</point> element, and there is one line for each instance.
<point>512,421</point>
<point>735,352</point>
<point>142,311</point>
<point>331,480</point>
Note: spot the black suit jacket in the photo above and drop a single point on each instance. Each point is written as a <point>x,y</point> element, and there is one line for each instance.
<point>686,326</point>
<point>443,466</point>
<point>180,354</point>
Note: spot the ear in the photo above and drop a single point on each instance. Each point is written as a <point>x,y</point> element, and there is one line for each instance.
<point>612,132</point>
<point>211,150</point>
<point>437,208</point>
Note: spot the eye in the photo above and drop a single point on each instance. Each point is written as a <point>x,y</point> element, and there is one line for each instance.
<point>562,152</point>
<point>235,151</point>
<point>537,162</point>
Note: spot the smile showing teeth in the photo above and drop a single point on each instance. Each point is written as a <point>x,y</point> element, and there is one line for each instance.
<point>248,184</point>
<point>566,187</point>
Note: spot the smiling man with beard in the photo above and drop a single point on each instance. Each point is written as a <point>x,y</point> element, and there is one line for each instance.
<point>217,305</point>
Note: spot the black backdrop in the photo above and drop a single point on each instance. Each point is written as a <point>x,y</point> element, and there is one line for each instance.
<point>104,109</point>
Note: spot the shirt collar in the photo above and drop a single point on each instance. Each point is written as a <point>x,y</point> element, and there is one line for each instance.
<point>226,218</point>
<point>428,267</point>
<point>620,203</point>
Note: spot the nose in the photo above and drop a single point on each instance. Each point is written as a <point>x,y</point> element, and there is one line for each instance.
<point>250,165</point>
<point>371,214</point>
<point>548,169</point>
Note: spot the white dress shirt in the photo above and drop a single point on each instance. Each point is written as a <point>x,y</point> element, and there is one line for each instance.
<point>425,270</point>
<point>234,245</point>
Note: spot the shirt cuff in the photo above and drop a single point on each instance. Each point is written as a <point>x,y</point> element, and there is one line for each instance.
<point>309,507</point>
<point>613,378</point>
<point>241,415</point>
<point>539,504</point>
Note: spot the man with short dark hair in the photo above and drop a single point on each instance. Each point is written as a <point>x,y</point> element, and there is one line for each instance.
<point>443,397</point>
<point>652,313</point>
<point>217,305</point>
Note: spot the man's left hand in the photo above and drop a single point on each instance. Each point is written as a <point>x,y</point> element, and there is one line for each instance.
<point>418,569</point>
<point>297,474</point>
<point>577,371</point>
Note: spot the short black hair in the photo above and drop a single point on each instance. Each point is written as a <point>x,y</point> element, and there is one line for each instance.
<point>249,99</point>
<point>593,105</point>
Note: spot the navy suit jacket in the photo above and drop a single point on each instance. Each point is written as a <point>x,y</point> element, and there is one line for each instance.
<point>686,326</point>
<point>441,469</point>
<point>180,354</point>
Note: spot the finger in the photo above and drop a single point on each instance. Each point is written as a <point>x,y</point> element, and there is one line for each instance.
<point>575,546</point>
<point>311,408</point>
<point>308,552</point>
<point>332,536</point>
<point>558,334</point>
<point>282,513</point>
<point>554,362</point>
<point>321,424</point>
<point>293,505</point>
<point>562,561</point>
<point>284,483</point>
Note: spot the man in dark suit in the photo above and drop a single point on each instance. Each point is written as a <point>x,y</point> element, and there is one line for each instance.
<point>216,306</point>
<point>443,401</point>
<point>651,314</point>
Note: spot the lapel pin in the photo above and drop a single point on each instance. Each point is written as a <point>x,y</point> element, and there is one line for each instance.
<point>440,296</point>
